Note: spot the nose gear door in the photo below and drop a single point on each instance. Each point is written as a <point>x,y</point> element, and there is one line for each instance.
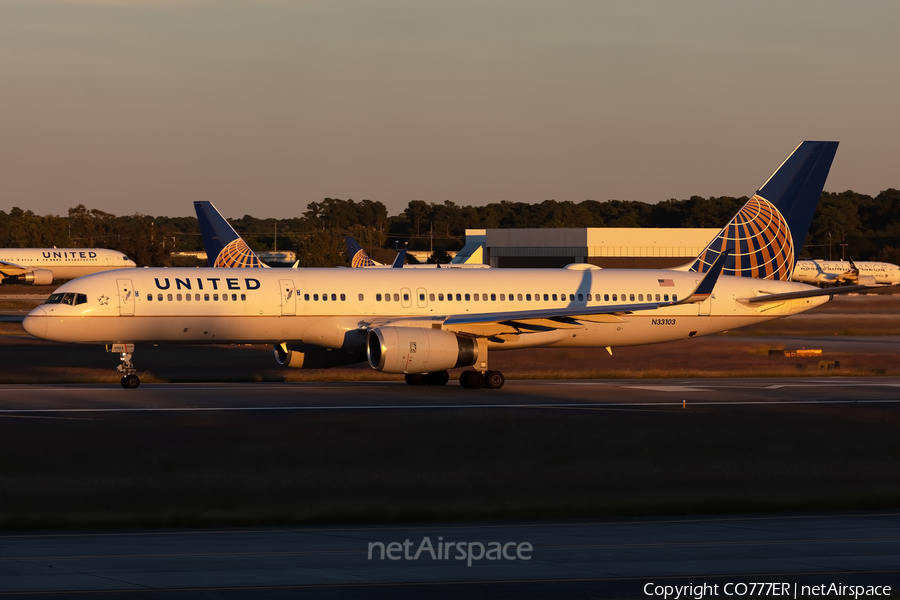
<point>126,297</point>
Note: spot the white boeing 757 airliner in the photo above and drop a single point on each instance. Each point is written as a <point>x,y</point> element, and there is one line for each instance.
<point>422,322</point>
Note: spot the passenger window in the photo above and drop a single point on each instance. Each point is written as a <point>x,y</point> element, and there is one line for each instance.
<point>641,297</point>
<point>440,297</point>
<point>334,297</point>
<point>324,297</point>
<point>528,297</point>
<point>666,297</point>
<point>520,297</point>
<point>361,298</point>
<point>243,297</point>
<point>343,298</point>
<point>187,297</point>
<point>215,298</point>
<point>494,297</point>
<point>458,297</point>
<point>149,297</point>
<point>468,297</point>
<point>657,297</point>
<point>554,297</point>
<point>572,297</point>
<point>306,297</point>
<point>615,298</point>
<point>631,297</point>
<point>476,297</point>
<point>377,297</point>
<point>502,297</point>
<point>431,297</point>
<point>397,297</point>
<point>422,298</point>
<point>224,297</point>
<point>674,298</point>
<point>315,297</point>
<point>606,297</point>
<point>178,297</point>
<point>206,297</point>
<point>581,297</point>
<point>406,297</point>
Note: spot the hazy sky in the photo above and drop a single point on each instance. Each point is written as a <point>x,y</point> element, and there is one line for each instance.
<point>263,106</point>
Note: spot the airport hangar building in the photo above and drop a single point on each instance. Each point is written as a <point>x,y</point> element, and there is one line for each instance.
<point>607,247</point>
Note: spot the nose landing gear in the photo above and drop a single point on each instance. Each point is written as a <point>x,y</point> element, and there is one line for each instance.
<point>129,378</point>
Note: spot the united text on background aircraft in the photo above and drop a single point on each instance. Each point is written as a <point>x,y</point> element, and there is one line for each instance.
<point>838,272</point>
<point>423,322</point>
<point>40,266</point>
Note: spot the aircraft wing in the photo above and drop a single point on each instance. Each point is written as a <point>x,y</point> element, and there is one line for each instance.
<point>847,289</point>
<point>9,269</point>
<point>562,318</point>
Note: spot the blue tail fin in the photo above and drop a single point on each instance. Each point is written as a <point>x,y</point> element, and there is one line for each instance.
<point>767,234</point>
<point>224,247</point>
<point>358,256</point>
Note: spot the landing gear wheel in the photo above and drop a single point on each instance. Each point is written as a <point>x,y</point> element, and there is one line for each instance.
<point>130,381</point>
<point>494,380</point>
<point>415,379</point>
<point>472,380</point>
<point>438,378</point>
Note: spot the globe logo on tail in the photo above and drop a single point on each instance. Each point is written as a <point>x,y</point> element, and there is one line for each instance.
<point>762,242</point>
<point>361,259</point>
<point>238,255</point>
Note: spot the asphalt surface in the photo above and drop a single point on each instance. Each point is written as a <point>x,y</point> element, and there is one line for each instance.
<point>566,559</point>
<point>563,394</point>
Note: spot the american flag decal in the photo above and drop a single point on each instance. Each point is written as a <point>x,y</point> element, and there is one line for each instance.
<point>666,283</point>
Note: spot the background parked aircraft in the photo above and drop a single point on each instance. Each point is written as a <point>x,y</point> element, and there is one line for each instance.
<point>838,272</point>
<point>40,266</point>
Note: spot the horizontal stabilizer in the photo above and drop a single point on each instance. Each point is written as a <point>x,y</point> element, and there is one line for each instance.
<point>812,293</point>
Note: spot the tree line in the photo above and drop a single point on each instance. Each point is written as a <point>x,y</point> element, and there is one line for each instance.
<point>846,224</point>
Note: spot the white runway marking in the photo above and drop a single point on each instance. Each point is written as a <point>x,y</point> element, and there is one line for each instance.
<point>666,388</point>
<point>582,405</point>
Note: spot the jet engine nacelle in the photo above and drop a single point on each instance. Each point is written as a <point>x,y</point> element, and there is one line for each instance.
<point>418,350</point>
<point>314,358</point>
<point>36,277</point>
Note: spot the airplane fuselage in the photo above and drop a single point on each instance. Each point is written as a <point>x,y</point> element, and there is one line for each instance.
<point>332,308</point>
<point>65,263</point>
<point>839,271</point>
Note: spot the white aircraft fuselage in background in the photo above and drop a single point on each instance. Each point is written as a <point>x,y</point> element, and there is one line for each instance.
<point>836,272</point>
<point>40,266</point>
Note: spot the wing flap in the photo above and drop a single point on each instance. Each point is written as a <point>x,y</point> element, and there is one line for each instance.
<point>811,293</point>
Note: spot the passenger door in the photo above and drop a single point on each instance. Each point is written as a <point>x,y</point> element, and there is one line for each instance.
<point>405,298</point>
<point>422,298</point>
<point>288,297</point>
<point>126,297</point>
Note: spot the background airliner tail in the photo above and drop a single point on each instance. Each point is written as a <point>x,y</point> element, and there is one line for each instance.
<point>224,247</point>
<point>767,234</point>
<point>358,256</point>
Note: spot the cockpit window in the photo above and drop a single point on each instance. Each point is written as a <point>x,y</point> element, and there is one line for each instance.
<point>70,299</point>
<point>124,257</point>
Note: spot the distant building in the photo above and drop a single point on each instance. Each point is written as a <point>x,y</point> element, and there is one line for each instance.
<point>608,247</point>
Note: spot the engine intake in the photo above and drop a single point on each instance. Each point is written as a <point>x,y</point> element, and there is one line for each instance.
<point>418,350</point>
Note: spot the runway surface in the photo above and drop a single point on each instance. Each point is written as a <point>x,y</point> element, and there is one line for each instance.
<point>567,559</point>
<point>562,394</point>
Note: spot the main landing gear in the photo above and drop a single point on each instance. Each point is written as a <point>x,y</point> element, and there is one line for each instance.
<point>474,380</point>
<point>129,379</point>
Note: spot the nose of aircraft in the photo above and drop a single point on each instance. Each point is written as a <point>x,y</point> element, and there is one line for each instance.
<point>35,322</point>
